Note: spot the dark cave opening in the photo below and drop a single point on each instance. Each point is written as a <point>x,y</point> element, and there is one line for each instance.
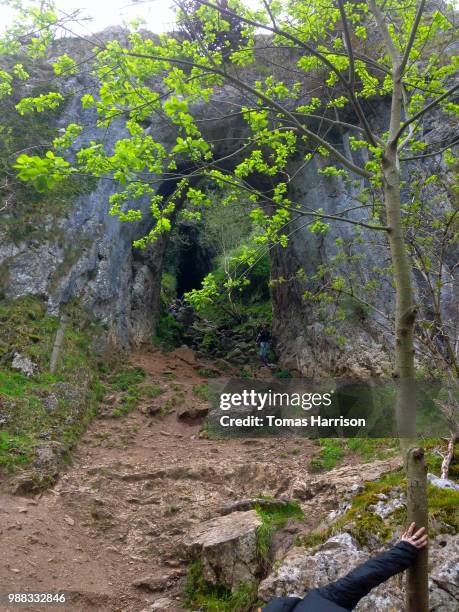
<point>193,258</point>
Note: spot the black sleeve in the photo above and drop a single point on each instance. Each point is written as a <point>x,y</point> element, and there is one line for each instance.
<point>348,591</point>
<point>281,604</point>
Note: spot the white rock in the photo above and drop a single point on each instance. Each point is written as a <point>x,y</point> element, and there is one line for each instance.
<point>442,483</point>
<point>385,509</point>
<point>24,364</point>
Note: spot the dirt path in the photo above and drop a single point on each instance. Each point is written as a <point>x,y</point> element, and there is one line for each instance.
<point>135,486</point>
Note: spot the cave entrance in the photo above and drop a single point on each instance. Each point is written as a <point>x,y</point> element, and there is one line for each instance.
<point>190,258</point>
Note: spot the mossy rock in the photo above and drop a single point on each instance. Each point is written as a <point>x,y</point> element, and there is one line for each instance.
<point>368,529</point>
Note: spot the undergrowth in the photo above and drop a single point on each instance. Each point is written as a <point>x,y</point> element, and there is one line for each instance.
<point>44,407</point>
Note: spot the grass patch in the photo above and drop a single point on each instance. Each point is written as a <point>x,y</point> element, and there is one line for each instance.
<point>207,373</point>
<point>151,391</point>
<point>283,374</point>
<point>274,518</point>
<point>15,451</point>
<point>127,378</point>
<point>129,382</point>
<point>201,391</point>
<point>201,596</point>
<point>331,452</point>
<point>372,448</point>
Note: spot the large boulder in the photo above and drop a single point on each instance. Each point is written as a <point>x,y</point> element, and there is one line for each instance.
<point>227,546</point>
<point>192,412</point>
<point>185,354</point>
<point>342,482</point>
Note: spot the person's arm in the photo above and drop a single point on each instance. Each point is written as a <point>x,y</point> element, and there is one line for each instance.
<point>281,604</point>
<point>348,591</point>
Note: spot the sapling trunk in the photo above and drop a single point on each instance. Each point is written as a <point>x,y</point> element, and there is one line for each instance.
<point>417,589</point>
<point>58,343</point>
<point>405,315</point>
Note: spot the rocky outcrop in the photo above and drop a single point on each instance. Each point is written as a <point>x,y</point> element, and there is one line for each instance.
<point>302,570</point>
<point>343,482</point>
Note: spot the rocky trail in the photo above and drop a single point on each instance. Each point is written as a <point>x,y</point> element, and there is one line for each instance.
<point>110,532</point>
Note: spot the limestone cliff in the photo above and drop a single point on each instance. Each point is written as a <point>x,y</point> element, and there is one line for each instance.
<point>84,254</point>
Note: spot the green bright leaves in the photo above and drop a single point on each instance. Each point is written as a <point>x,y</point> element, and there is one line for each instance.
<point>43,173</point>
<point>65,65</point>
<point>40,103</point>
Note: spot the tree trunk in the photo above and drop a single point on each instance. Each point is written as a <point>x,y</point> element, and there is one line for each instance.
<point>417,594</point>
<point>405,314</point>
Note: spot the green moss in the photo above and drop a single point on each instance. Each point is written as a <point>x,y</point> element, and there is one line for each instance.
<point>201,596</point>
<point>358,520</point>
<point>363,524</point>
<point>444,506</point>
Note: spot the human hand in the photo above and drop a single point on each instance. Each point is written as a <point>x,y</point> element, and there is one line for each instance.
<point>417,538</point>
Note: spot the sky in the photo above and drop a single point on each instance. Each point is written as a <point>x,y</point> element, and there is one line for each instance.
<point>158,14</point>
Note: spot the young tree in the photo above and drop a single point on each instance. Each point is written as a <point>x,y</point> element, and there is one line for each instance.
<point>299,74</point>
